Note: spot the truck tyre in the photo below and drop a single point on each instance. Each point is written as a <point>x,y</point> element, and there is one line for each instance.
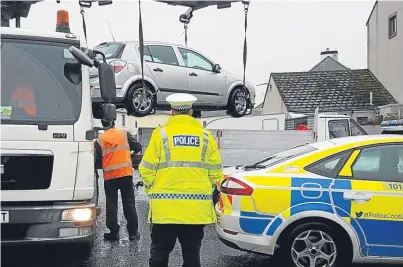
<point>237,103</point>
<point>137,102</point>
<point>317,243</point>
<point>196,114</point>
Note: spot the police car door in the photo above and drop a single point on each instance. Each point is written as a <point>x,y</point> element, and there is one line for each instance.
<point>368,194</point>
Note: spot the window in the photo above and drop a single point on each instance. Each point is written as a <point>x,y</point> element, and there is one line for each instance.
<point>331,166</point>
<point>194,60</point>
<point>381,163</point>
<point>147,55</point>
<point>285,155</point>
<point>362,120</point>
<point>47,86</point>
<point>339,128</point>
<point>162,54</point>
<point>109,49</point>
<point>356,129</point>
<point>392,25</point>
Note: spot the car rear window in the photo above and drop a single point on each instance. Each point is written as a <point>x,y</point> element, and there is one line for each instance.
<point>286,155</point>
<point>111,50</point>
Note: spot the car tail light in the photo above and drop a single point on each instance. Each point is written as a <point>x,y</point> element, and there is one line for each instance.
<point>233,186</point>
<point>118,65</point>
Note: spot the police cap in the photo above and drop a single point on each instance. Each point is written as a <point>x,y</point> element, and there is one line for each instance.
<point>181,101</point>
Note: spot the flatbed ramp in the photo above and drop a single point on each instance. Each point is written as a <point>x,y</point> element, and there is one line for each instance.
<point>246,146</point>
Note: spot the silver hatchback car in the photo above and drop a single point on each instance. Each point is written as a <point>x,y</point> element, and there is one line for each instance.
<point>170,69</point>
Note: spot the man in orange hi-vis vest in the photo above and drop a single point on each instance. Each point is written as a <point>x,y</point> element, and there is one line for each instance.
<point>24,98</point>
<point>113,150</point>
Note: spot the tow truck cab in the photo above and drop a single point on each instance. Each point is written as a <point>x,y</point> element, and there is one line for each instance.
<point>48,187</point>
<point>392,127</point>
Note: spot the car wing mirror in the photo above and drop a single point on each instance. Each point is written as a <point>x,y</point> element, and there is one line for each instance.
<point>217,68</point>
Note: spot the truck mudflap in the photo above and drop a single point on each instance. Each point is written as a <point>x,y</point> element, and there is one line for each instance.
<point>29,222</point>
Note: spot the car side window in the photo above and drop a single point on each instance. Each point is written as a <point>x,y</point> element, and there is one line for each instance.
<point>194,60</point>
<point>147,54</point>
<point>330,166</point>
<point>339,128</point>
<point>163,54</point>
<point>380,163</point>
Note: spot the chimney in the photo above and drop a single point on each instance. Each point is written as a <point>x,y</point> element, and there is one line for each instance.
<point>334,54</point>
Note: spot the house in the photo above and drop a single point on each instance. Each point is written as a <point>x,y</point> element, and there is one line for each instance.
<point>331,86</point>
<point>385,45</point>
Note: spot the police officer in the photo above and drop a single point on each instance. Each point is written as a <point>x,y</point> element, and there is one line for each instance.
<point>113,150</point>
<point>180,169</point>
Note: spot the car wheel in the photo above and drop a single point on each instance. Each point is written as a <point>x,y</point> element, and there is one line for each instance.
<point>237,103</point>
<point>139,100</point>
<point>315,245</point>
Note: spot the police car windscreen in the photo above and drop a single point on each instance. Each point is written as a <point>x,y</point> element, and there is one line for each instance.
<point>40,83</point>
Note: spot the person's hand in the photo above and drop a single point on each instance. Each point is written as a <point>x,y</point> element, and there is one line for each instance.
<point>132,152</point>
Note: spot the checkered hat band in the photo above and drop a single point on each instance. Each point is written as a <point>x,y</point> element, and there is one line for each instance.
<point>181,107</point>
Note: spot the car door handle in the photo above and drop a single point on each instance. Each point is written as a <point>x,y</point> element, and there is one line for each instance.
<point>158,69</point>
<point>192,74</point>
<point>358,196</point>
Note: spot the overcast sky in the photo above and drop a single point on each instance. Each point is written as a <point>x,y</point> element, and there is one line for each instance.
<point>283,36</point>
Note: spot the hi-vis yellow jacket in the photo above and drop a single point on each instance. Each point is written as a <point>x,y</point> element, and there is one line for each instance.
<point>179,169</point>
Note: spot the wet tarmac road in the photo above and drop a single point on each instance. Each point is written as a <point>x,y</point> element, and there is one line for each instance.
<point>127,253</point>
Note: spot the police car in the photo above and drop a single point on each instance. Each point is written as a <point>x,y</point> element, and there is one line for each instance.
<point>323,204</point>
<point>392,127</point>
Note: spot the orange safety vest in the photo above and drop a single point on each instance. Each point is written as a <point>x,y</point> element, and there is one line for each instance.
<point>116,159</point>
<point>24,98</point>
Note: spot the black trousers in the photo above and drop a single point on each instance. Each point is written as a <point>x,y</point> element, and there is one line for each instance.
<point>163,240</point>
<point>125,185</point>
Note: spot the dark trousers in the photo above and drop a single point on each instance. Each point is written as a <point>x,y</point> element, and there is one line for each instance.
<point>163,240</point>
<point>125,185</point>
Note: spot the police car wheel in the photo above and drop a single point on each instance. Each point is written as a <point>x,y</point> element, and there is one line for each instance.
<point>138,102</point>
<point>315,244</point>
<point>237,103</point>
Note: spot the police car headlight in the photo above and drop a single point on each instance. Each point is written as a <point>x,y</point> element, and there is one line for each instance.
<point>78,215</point>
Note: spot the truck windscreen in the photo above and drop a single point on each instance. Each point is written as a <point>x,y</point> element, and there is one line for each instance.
<point>40,83</point>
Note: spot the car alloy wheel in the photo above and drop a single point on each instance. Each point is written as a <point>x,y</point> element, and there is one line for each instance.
<point>142,100</point>
<point>313,248</point>
<point>240,102</point>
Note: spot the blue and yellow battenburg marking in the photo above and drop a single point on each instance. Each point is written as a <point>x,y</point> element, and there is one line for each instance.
<point>282,198</point>
<point>186,140</point>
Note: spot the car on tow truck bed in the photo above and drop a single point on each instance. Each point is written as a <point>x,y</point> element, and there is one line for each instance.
<point>332,202</point>
<point>168,69</point>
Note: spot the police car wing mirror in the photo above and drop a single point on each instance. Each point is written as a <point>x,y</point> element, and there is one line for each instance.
<point>81,57</point>
<point>108,112</point>
<point>107,82</point>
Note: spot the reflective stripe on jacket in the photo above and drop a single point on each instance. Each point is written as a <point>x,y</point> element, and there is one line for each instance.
<point>116,159</point>
<point>180,168</point>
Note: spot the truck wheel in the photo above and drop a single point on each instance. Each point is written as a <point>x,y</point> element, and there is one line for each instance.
<point>315,244</point>
<point>196,114</point>
<point>237,103</point>
<point>138,102</point>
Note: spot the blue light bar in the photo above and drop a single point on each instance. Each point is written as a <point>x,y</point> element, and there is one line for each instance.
<point>385,123</point>
<point>393,123</point>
